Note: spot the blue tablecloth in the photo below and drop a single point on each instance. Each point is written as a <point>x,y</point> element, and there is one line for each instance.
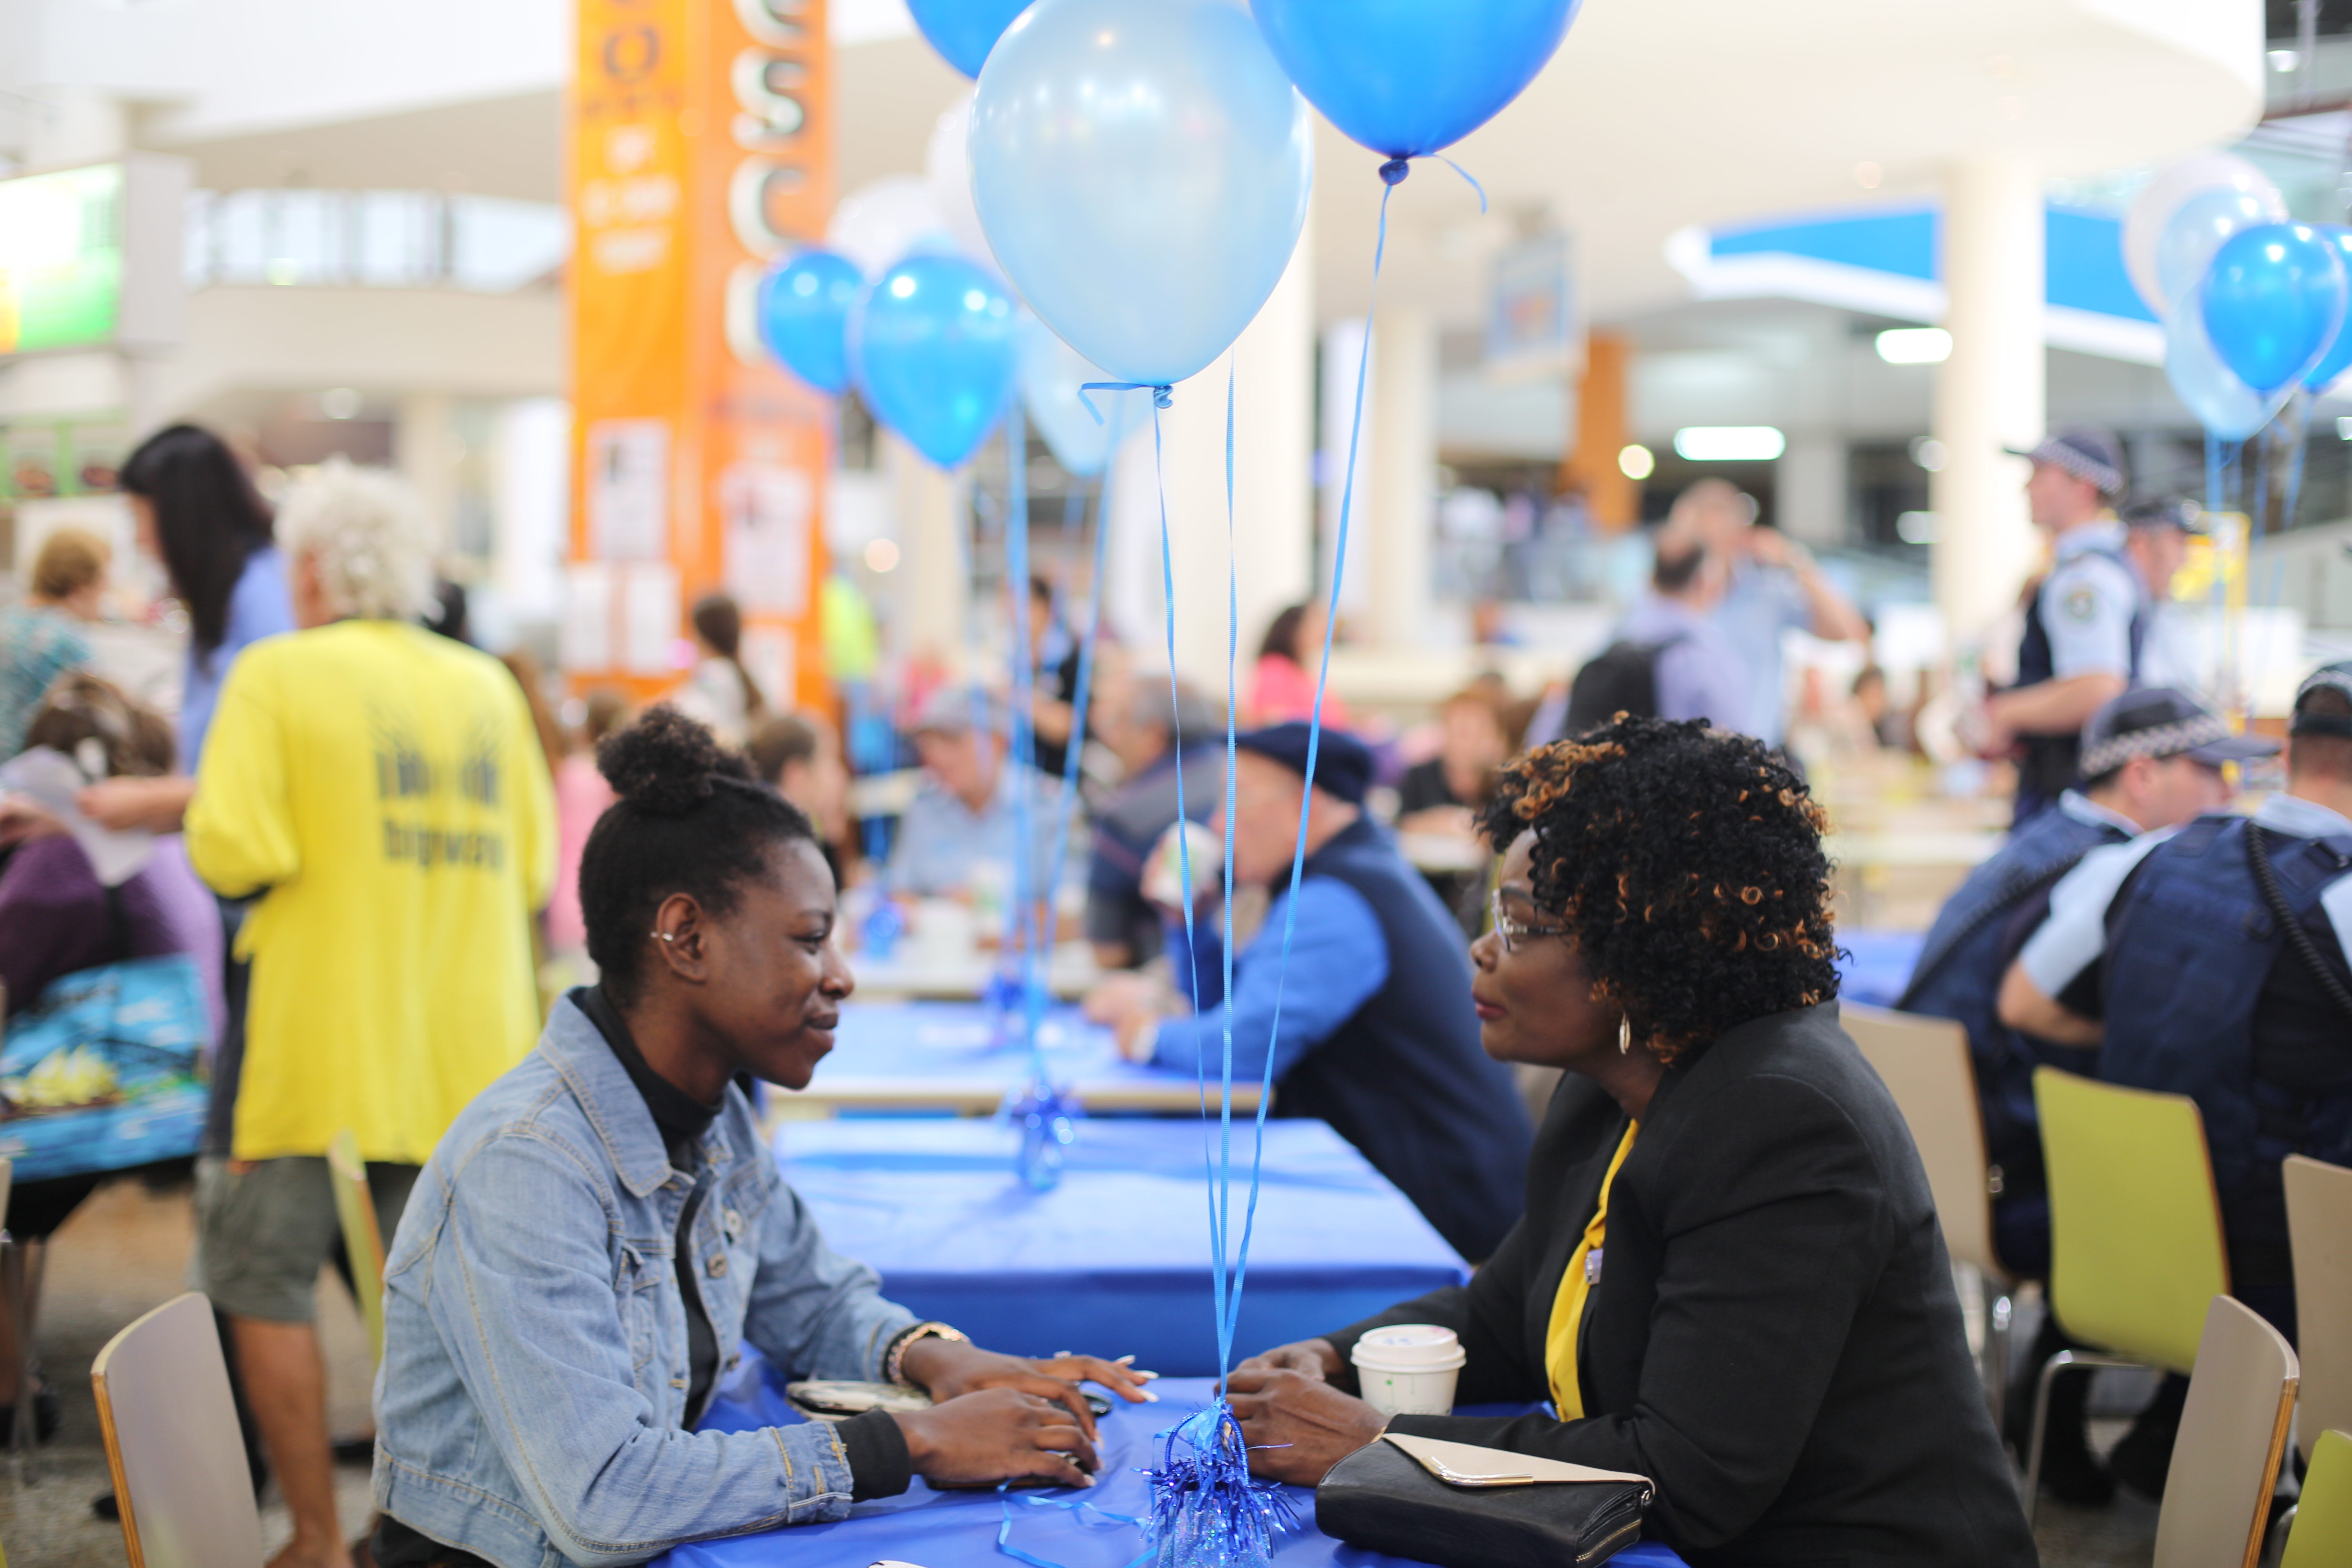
<point>959,1529</point>
<point>1116,1259</point>
<point>907,1045</point>
<point>1878,964</point>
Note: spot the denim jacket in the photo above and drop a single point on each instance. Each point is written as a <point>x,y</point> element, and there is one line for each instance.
<point>530,1404</point>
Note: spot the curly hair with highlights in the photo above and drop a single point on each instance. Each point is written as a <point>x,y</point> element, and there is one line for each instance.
<point>1688,867</point>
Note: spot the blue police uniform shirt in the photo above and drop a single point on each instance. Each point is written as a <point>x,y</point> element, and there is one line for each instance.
<point>2087,603</point>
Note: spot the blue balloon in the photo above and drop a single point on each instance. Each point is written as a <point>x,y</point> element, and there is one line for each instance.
<point>963,31</point>
<point>2225,406</point>
<point>804,302</point>
<point>936,344</point>
<point>1051,372</point>
<point>1142,169</point>
<point>2338,357</point>
<point>2185,247</point>
<point>2272,303</point>
<point>1408,77</point>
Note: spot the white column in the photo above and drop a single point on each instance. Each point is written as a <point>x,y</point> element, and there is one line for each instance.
<point>1343,348</point>
<point>76,125</point>
<point>1809,492</point>
<point>933,583</point>
<point>1402,436</point>
<point>1273,494</point>
<point>425,445</point>
<point>1989,394</point>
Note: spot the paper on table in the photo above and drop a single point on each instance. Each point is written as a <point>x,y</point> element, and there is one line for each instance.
<point>1468,1465</point>
<point>49,778</point>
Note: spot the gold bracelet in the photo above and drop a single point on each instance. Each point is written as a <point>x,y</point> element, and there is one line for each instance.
<point>894,1367</point>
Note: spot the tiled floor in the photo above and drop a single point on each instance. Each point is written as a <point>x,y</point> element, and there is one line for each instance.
<point>127,1250</point>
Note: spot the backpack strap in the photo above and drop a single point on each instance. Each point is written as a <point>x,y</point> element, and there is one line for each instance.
<point>2258,856</point>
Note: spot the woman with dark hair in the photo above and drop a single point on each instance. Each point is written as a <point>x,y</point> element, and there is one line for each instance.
<point>1775,1341</point>
<point>600,1228</point>
<point>721,692</point>
<point>1282,687</point>
<point>199,514</point>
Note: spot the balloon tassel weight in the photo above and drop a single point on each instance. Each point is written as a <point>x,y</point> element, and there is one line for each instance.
<point>1047,1121</point>
<point>1206,1512</point>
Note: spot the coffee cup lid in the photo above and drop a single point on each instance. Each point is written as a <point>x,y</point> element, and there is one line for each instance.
<point>1411,1345</point>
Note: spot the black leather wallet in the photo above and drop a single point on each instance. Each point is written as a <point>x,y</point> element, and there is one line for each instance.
<point>1382,1498</point>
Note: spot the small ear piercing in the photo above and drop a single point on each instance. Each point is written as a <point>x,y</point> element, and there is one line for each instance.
<point>663,936</point>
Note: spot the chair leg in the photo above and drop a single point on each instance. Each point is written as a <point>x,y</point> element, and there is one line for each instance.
<point>2064,1361</point>
<point>16,1279</point>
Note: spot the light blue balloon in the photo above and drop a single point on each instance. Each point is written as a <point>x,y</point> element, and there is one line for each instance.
<point>1051,372</point>
<point>2272,301</point>
<point>1408,77</point>
<point>963,31</point>
<point>2225,406</point>
<point>2338,357</point>
<point>1142,169</point>
<point>804,302</point>
<point>2196,230</point>
<point>935,343</point>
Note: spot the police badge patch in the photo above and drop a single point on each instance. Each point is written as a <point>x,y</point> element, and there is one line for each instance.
<point>2082,603</point>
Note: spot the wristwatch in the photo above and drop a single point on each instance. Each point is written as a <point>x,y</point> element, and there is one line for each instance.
<point>894,1364</point>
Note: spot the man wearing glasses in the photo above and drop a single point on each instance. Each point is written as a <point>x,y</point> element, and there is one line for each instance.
<point>1369,1025</point>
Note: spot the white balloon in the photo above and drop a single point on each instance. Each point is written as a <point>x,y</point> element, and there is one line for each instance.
<point>947,164</point>
<point>879,224</point>
<point>2153,208</point>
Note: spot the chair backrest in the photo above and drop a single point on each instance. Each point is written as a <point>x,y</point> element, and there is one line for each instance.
<point>1925,1064</point>
<point>363,1241</point>
<point>7,1182</point>
<point>2322,1535</point>
<point>2319,1227</point>
<point>2217,1495</point>
<point>2136,1250</point>
<point>172,1441</point>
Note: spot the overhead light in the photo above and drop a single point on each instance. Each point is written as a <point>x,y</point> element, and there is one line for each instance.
<point>1915,346</point>
<point>1915,528</point>
<point>1867,175</point>
<point>341,403</point>
<point>881,555</point>
<point>2344,426</point>
<point>2285,60</point>
<point>1929,454</point>
<point>1636,462</point>
<point>1729,443</point>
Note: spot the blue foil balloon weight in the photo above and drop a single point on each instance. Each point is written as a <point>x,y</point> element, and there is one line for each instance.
<point>1048,1121</point>
<point>1141,170</point>
<point>1206,1511</point>
<point>936,346</point>
<point>1406,77</point>
<point>2272,303</point>
<point>805,304</point>
<point>963,31</point>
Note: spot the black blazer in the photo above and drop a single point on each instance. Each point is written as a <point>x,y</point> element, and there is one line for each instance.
<point>1774,1340</point>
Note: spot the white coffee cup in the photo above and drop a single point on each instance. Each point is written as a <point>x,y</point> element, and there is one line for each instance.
<point>1408,1369</point>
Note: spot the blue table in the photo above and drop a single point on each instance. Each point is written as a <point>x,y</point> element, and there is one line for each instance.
<point>1879,965</point>
<point>1116,1259</point>
<point>959,1529</point>
<point>956,1055</point>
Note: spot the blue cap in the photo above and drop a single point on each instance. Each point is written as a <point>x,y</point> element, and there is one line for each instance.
<point>1343,765</point>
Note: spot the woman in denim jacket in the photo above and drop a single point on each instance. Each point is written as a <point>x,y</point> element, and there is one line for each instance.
<point>599,1230</point>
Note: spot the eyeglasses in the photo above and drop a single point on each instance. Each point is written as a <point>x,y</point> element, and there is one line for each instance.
<point>1514,933</point>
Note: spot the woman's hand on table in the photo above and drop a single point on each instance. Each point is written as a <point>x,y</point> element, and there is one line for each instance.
<point>1309,1358</point>
<point>999,1433</point>
<point>950,1369</point>
<point>1298,1426</point>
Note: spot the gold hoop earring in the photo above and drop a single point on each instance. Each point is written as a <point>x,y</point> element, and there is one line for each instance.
<point>1624,1034</point>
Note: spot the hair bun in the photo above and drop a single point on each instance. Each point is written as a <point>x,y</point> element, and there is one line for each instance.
<point>666,763</point>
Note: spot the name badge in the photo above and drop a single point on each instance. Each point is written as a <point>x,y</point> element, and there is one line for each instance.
<point>1592,1267</point>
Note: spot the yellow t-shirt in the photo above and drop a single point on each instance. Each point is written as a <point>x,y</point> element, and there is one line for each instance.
<point>383,789</point>
<point>1575,1286</point>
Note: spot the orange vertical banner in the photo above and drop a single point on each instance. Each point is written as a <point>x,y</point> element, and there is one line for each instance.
<point>1603,429</point>
<point>702,144</point>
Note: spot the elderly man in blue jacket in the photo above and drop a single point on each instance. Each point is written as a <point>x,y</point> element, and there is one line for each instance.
<point>1370,1025</point>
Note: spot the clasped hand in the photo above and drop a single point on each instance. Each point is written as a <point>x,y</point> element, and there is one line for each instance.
<point>1003,1417</point>
<point>1297,1424</point>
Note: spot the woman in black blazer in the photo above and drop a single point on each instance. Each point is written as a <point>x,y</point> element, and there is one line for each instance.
<point>1774,1340</point>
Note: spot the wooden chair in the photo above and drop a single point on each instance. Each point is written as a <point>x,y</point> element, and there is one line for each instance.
<point>2319,1229</point>
<point>172,1441</point>
<point>2217,1495</point>
<point>2322,1535</point>
<point>2135,1251</point>
<point>362,1240</point>
<point>1925,1064</point>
